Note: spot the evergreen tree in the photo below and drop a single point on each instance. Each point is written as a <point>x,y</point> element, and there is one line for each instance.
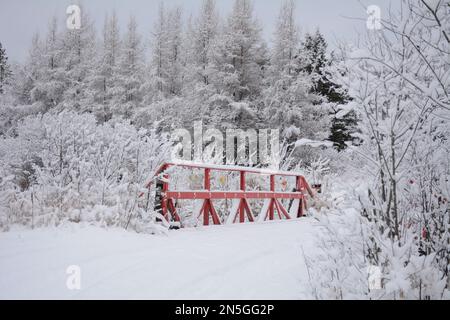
<point>130,72</point>
<point>78,49</point>
<point>313,61</point>
<point>200,41</point>
<point>103,80</point>
<point>239,57</point>
<point>313,53</point>
<point>175,53</point>
<point>289,100</point>
<point>5,69</point>
<point>159,58</point>
<point>286,39</point>
<point>49,79</point>
<point>27,73</point>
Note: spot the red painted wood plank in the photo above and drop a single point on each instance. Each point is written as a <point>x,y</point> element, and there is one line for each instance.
<point>222,195</point>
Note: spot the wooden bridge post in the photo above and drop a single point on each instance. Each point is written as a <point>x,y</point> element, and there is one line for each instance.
<point>301,204</point>
<point>272,201</point>
<point>243,207</point>
<point>242,202</point>
<point>207,183</point>
<point>208,207</point>
<point>167,204</point>
<point>165,188</point>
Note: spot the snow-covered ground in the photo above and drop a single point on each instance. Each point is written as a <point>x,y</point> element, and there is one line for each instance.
<point>250,261</point>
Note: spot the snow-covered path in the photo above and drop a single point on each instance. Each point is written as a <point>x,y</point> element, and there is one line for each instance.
<point>251,261</point>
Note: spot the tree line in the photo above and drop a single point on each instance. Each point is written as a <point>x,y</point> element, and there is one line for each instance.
<point>217,69</point>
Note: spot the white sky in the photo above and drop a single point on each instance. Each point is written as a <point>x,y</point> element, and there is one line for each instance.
<point>20,19</point>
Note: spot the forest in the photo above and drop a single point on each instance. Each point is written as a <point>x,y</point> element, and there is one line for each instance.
<point>89,117</point>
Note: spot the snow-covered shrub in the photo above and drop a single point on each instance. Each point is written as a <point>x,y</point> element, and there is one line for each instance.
<point>66,167</point>
<point>317,170</point>
<point>352,244</point>
<point>403,220</point>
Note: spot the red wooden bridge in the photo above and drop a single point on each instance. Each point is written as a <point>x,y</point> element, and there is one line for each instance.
<point>208,212</point>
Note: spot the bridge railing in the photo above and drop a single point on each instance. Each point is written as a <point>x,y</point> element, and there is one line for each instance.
<point>242,211</point>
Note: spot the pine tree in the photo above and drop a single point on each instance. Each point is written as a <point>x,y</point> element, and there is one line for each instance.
<point>79,48</point>
<point>239,57</point>
<point>175,58</point>
<point>49,80</point>
<point>111,42</point>
<point>201,36</point>
<point>286,39</point>
<point>288,98</point>
<point>313,53</point>
<point>130,72</point>
<point>159,57</point>
<point>167,56</point>
<point>27,73</point>
<point>5,69</point>
<point>198,42</point>
<point>103,82</point>
<point>313,61</point>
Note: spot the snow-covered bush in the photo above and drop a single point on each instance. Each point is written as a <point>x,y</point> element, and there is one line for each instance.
<point>351,245</point>
<point>402,225</point>
<point>66,167</point>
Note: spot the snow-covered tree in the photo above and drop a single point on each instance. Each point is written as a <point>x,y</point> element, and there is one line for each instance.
<point>130,73</point>
<point>111,43</point>
<point>290,100</point>
<point>27,74</point>
<point>239,56</point>
<point>66,167</point>
<point>166,66</point>
<point>313,59</point>
<point>48,77</point>
<point>5,69</point>
<point>158,81</point>
<point>175,59</point>
<point>399,82</point>
<point>312,56</point>
<point>103,80</point>
<point>286,39</point>
<point>78,50</point>
<point>201,36</point>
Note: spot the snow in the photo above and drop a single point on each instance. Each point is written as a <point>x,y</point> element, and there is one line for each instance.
<point>190,164</point>
<point>345,110</point>
<point>248,261</point>
<point>233,211</point>
<point>263,213</point>
<point>359,53</point>
<point>314,144</point>
<point>433,4</point>
<point>72,148</point>
<point>294,208</point>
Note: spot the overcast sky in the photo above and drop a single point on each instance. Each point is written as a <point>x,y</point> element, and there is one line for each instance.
<point>20,19</point>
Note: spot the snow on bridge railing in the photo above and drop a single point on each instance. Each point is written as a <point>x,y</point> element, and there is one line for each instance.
<point>165,198</point>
